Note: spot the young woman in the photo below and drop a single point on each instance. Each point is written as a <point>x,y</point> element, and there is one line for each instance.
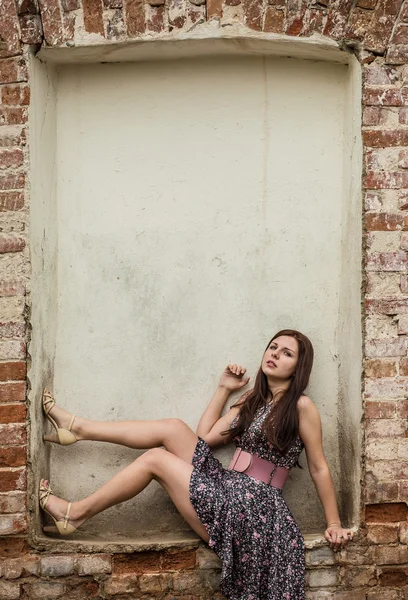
<point>240,512</point>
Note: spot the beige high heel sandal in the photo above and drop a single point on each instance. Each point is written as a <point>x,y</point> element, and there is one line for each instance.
<point>63,527</point>
<point>64,437</point>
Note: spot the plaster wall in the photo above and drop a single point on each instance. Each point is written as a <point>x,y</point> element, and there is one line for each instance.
<point>200,206</point>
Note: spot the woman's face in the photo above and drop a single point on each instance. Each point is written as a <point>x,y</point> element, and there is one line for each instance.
<point>280,358</point>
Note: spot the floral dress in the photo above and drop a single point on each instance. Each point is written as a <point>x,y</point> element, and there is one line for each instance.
<point>249,523</point>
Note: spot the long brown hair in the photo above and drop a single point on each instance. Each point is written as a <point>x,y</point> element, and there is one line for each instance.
<point>281,426</point>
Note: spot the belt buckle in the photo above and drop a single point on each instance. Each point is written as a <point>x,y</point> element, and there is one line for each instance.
<point>272,474</point>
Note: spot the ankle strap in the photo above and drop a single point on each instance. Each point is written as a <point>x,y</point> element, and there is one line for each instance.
<point>66,518</point>
<point>71,422</point>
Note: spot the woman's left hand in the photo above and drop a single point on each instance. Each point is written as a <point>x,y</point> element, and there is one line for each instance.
<point>338,536</point>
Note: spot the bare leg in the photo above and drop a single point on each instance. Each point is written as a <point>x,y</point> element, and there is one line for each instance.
<point>173,434</point>
<point>170,471</point>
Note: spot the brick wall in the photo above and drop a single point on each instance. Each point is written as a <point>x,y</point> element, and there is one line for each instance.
<point>375,567</point>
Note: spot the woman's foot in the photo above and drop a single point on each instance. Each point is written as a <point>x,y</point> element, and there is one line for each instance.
<point>57,508</point>
<point>66,425</point>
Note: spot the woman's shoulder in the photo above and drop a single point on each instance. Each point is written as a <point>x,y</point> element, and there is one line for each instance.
<point>305,405</point>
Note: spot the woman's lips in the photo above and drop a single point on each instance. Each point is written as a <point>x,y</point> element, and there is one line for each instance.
<point>270,363</point>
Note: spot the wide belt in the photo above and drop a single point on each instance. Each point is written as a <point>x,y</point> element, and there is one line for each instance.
<point>258,468</point>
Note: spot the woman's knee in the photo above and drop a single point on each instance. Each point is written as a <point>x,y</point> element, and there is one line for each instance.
<point>154,460</point>
<point>176,428</point>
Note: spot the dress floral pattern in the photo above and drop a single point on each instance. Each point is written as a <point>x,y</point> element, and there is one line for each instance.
<point>249,523</point>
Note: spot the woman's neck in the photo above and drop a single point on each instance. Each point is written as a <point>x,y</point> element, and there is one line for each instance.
<point>277,387</point>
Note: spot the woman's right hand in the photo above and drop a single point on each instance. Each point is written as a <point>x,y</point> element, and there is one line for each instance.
<point>232,378</point>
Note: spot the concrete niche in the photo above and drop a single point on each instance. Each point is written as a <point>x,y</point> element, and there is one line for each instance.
<point>182,212</point>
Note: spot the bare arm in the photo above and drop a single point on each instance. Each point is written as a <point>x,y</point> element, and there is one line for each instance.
<point>211,424</point>
<point>310,431</point>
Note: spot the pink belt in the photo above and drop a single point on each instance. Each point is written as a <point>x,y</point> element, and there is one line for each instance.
<point>259,468</point>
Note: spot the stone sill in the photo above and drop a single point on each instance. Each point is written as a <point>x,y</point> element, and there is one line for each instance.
<point>154,542</point>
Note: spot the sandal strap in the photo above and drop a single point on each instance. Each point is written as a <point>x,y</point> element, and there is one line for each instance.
<point>71,422</point>
<point>50,400</point>
<point>45,493</point>
<point>66,518</point>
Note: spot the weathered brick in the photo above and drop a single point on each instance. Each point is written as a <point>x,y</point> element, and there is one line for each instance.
<point>380,96</point>
<point>9,590</point>
<point>381,491</point>
<point>360,576</point>
<point>136,563</point>
<point>24,566</point>
<point>11,158</point>
<point>188,581</point>
<point>380,410</point>
<point>12,413</point>
<point>383,534</point>
<point>320,557</point>
<point>12,480</point>
<point>12,434</point>
<point>378,138</point>
<point>214,9</point>
<point>14,456</point>
<point>252,14</point>
<point>380,368</point>
<point>403,532</point>
<point>381,449</point>
<point>13,547</point>
<point>386,347</point>
<point>11,243</point>
<point>121,584</point>
<point>13,115</point>
<point>11,330</point>
<point>402,409</point>
<point>44,590</point>
<point>274,20</point>
<point>31,31</point>
<point>134,17</point>
<point>387,470</point>
<point>386,512</point>
<point>12,350</point>
<point>12,502</point>
<point>12,182</point>
<point>155,583</point>
<point>177,560</point>
<point>387,306</point>
<point>94,564</point>
<point>51,17</point>
<point>403,366</point>
<point>11,201</point>
<point>207,559</point>
<point>11,525</point>
<point>371,115</point>
<point>378,74</point>
<point>13,70</point>
<point>13,371</point>
<point>323,577</point>
<point>12,392</point>
<point>393,576</point>
<point>391,555</point>
<point>57,566</point>
<point>93,20</point>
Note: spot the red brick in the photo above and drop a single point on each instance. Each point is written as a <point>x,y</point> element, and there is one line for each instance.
<point>214,9</point>
<point>68,5</point>
<point>387,307</point>
<point>379,33</point>
<point>52,22</point>
<point>391,555</point>
<point>380,96</point>
<point>394,576</point>
<point>337,18</point>
<point>12,413</point>
<point>358,23</point>
<point>377,180</point>
<point>274,20</point>
<point>380,368</point>
<point>13,434</point>
<point>31,29</point>
<point>383,534</point>
<point>397,55</point>
<point>12,392</point>
<point>400,35</point>
<point>134,17</point>
<point>369,4</point>
<point>404,367</point>
<point>384,222</point>
<point>386,512</point>
<point>385,428</point>
<point>136,563</point>
<point>11,525</point>
<point>387,261</point>
<point>9,29</point>
<point>156,17</point>
<point>377,138</point>
<point>178,560</point>
<point>13,547</point>
<point>115,25</point>
<point>176,11</point>
<point>402,409</point>
<point>380,410</point>
<point>12,182</point>
<point>11,243</point>
<point>252,14</point>
<point>13,70</point>
<point>12,502</point>
<point>12,479</point>
<point>378,74</point>
<point>314,21</point>
<point>386,388</point>
<point>380,491</point>
<point>12,330</point>
<point>15,456</point>
<point>371,115</point>
<point>386,347</point>
<point>11,158</point>
<point>15,95</point>
<point>93,20</point>
<point>13,371</point>
<point>11,201</point>
<point>13,116</point>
